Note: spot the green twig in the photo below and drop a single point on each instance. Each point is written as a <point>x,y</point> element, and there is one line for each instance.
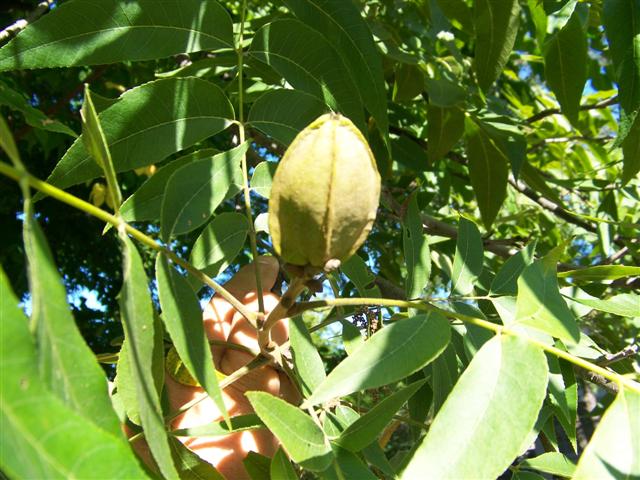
<point>498,329</point>
<point>86,207</point>
<point>245,173</point>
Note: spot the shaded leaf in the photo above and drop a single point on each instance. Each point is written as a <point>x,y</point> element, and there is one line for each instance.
<point>467,263</point>
<point>66,364</point>
<point>565,60</point>
<point>282,114</point>
<point>631,152</point>
<point>507,381</point>
<point>351,337</point>
<point>342,25</point>
<point>96,32</point>
<point>147,124</point>
<point>416,251</point>
<point>300,436</point>
<point>356,269</point>
<point>238,423</point>
<point>182,317</point>
<point>146,201</point>
<point>539,303</point>
<point>620,18</point>
<point>257,466</point>
<point>366,429</point>
<point>281,467</point>
<point>496,23</point>
<point>444,375</point>
<point>219,243</point>
<point>195,190</point>
<point>306,359</point>
<point>138,323</point>
<point>34,117</point>
<point>614,448</point>
<point>41,437</point>
<point>408,153</point>
<point>349,465</point>
<point>445,127</point>
<point>389,355</point>
<point>190,466</point>
<point>563,394</point>
<point>409,82</point>
<point>309,62</point>
<point>488,169</point>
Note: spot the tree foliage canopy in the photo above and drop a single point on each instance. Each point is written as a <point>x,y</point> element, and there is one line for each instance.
<point>494,306</point>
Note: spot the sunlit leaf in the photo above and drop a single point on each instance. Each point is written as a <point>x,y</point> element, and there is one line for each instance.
<point>306,359</point>
<point>183,318</point>
<point>478,431</point>
<point>66,364</point>
<point>302,439</point>
<point>138,323</point>
<point>263,177</point>
<point>600,272</point>
<point>147,124</point>
<point>389,355</point>
<point>41,437</point>
<point>539,303</point>
<point>624,304</point>
<point>96,32</point>
<point>614,450</point>
<point>554,463</point>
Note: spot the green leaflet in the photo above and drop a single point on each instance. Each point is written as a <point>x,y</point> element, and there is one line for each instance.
<point>219,243</point>
<point>300,436</point>
<point>539,303</point>
<point>183,318</point>
<point>366,429</point>
<point>147,124</point>
<point>506,381</point>
<point>614,449</point>
<point>96,32</point>
<point>565,60</point>
<point>445,127</point>
<point>624,304</point>
<point>467,263</point>
<point>310,63</point>
<point>416,251</point>
<point>506,280</point>
<point>496,23</point>
<point>146,201</point>
<point>342,25</point>
<point>282,114</point>
<point>263,177</point>
<point>66,364</point>
<point>306,359</point>
<point>195,190</point>
<point>34,420</point>
<point>600,272</point>
<point>620,18</point>
<point>34,117</point>
<point>554,463</point>
<point>281,467</point>
<point>488,169</point>
<point>391,354</point>
<point>139,329</point>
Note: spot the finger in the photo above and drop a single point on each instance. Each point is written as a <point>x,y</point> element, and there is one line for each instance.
<point>244,281</point>
<point>242,331</point>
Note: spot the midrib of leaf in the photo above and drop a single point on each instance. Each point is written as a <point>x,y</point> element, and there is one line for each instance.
<point>129,27</point>
<point>405,345</point>
<point>84,160</point>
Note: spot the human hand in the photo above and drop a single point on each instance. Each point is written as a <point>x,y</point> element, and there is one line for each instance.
<point>222,322</point>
